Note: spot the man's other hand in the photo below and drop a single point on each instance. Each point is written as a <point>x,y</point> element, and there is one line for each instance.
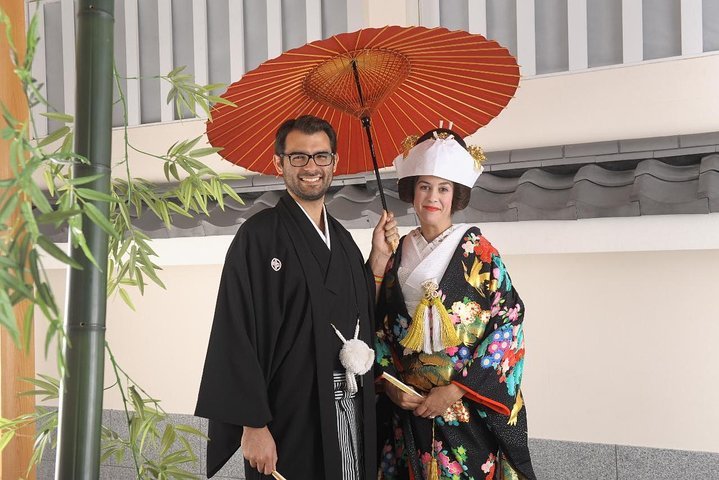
<point>259,449</point>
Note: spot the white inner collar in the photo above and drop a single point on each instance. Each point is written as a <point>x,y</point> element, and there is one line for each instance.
<point>325,236</point>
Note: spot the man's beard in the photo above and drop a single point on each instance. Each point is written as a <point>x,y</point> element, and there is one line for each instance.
<point>309,195</point>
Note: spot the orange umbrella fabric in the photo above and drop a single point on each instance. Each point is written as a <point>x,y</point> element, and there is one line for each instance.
<point>410,77</point>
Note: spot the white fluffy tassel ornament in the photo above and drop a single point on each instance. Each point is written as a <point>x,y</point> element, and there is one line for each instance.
<point>355,356</point>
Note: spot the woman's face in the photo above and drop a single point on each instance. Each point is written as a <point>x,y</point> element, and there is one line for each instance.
<point>433,201</point>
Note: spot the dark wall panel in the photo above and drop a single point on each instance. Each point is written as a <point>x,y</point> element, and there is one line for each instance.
<point>502,23</point>
<point>551,36</point>
<point>604,32</point>
<point>661,21</point>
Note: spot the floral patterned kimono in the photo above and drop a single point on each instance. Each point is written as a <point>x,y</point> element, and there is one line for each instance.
<point>484,434</point>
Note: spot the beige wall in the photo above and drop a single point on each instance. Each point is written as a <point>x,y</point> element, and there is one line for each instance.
<point>619,342</point>
<point>620,347</point>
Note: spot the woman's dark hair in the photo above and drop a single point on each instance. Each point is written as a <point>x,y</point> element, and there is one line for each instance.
<point>460,196</point>
<point>461,193</point>
<point>308,125</point>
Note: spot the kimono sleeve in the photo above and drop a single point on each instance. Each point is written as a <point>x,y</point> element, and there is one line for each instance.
<point>384,335</point>
<point>492,367</point>
<point>233,389</point>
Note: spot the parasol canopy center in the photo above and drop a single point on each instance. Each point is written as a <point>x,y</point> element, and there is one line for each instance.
<point>333,82</point>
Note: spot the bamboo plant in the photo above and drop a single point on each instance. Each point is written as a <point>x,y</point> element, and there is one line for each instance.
<point>159,449</point>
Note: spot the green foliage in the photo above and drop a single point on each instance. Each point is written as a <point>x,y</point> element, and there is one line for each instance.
<point>160,449</point>
<point>185,93</point>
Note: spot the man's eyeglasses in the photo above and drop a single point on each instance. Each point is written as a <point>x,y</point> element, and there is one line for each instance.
<point>322,159</point>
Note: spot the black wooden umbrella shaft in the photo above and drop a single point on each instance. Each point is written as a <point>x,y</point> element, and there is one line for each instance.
<point>366,123</point>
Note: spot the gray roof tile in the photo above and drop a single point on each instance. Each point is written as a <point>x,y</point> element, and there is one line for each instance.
<point>589,193</point>
<point>485,201</point>
<point>708,186</point>
<point>592,211</point>
<point>675,152</point>
<point>619,184</point>
<point>649,187</point>
<point>568,161</point>
<point>497,157</point>
<point>699,139</point>
<point>663,171</point>
<point>591,149</point>
<point>648,144</point>
<point>514,166</point>
<point>529,194</point>
<point>541,153</point>
<point>652,207</point>
<point>269,198</point>
<point>601,176</point>
<point>267,180</point>
<point>356,194</point>
<point>546,180</point>
<point>708,163</point>
<point>618,157</point>
<point>496,184</point>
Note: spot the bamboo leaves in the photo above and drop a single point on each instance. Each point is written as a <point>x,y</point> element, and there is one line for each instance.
<point>159,448</point>
<point>185,94</point>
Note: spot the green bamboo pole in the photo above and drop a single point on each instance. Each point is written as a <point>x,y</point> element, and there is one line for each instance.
<point>78,451</point>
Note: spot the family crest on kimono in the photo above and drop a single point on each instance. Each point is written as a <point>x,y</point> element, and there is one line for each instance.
<point>449,326</point>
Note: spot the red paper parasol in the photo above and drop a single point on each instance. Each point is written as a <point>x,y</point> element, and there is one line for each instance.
<point>405,79</point>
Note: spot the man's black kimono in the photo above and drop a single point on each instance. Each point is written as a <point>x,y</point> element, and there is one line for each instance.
<point>272,350</point>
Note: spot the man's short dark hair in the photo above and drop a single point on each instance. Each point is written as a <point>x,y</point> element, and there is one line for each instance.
<point>307,124</point>
<point>460,196</point>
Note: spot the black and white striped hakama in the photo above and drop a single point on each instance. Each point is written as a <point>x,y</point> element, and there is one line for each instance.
<point>349,428</point>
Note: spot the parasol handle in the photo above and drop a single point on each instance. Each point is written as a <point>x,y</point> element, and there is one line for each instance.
<point>366,123</point>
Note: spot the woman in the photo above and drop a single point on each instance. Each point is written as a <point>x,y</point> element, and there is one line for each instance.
<point>450,327</point>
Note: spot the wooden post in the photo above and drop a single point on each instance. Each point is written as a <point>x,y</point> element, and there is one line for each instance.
<point>14,363</point>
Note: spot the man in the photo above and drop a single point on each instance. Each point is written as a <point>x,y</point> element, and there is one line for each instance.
<point>273,381</point>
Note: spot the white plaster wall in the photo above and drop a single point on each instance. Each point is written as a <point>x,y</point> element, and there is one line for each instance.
<point>620,337</point>
<point>653,99</point>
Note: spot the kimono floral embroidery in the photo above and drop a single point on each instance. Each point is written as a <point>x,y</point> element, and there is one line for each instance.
<point>504,352</point>
<point>470,322</point>
<point>480,246</point>
<point>383,356</point>
<point>393,455</point>
<point>487,314</point>
<point>500,273</point>
<point>466,311</point>
<point>449,468</point>
<point>456,413</point>
<point>399,330</point>
<point>488,467</point>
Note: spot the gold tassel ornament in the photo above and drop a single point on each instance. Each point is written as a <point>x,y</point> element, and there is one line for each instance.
<point>433,468</point>
<point>431,329</point>
<point>414,340</point>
